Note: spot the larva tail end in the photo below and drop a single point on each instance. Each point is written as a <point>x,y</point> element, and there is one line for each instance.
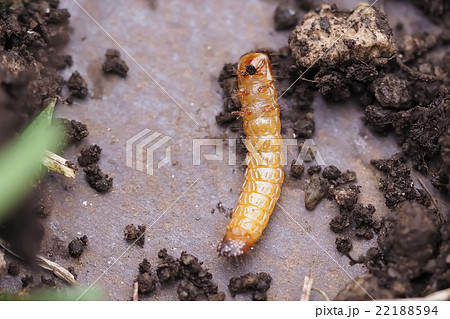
<point>231,247</point>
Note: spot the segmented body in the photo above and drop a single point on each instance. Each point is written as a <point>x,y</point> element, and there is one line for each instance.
<point>264,174</point>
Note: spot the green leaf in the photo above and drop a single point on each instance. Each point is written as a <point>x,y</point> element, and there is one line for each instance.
<point>20,162</point>
<point>41,122</point>
<point>66,294</point>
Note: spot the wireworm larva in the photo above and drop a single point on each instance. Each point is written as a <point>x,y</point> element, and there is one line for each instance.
<point>264,174</point>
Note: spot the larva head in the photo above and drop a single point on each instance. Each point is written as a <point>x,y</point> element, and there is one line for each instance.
<point>254,65</point>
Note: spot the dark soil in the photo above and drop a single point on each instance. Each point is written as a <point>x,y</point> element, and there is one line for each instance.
<point>343,245</point>
<point>305,126</point>
<point>315,169</point>
<point>31,35</point>
<point>98,180</point>
<point>22,230</point>
<point>193,270</point>
<point>360,218</point>
<point>27,281</point>
<point>75,131</point>
<point>146,282</point>
<point>257,284</point>
<point>196,281</point>
<point>398,186</point>
<point>89,155</point>
<point>134,234</point>
<point>297,169</point>
<point>168,269</point>
<point>13,269</point>
<point>114,64</point>
<point>77,246</point>
<point>354,219</point>
<point>187,291</point>
<point>346,197</point>
<point>331,172</point>
<point>329,184</point>
<point>77,85</point>
<point>410,259</point>
<point>437,9</point>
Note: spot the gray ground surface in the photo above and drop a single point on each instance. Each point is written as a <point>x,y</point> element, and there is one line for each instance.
<point>184,48</point>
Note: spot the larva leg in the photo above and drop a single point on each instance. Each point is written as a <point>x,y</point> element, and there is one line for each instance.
<point>262,88</point>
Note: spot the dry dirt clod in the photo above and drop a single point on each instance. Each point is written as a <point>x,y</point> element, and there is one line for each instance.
<point>409,238</point>
<point>77,85</point>
<point>346,196</point>
<point>331,172</point>
<point>89,155</point>
<point>146,282</point>
<point>135,235</point>
<point>392,92</point>
<point>187,291</point>
<point>168,267</point>
<point>315,169</point>
<point>258,284</point>
<point>74,131</point>
<point>297,169</point>
<point>114,64</point>
<point>98,180</point>
<point>343,244</point>
<point>305,126</point>
<point>370,40</point>
<point>77,246</point>
<point>397,186</point>
<point>316,190</point>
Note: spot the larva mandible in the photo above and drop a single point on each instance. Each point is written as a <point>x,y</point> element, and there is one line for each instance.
<point>264,174</point>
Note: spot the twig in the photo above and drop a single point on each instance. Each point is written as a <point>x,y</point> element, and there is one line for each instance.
<point>43,262</point>
<point>308,80</point>
<point>58,164</point>
<point>307,286</point>
<point>135,291</point>
<point>56,269</point>
<point>324,295</point>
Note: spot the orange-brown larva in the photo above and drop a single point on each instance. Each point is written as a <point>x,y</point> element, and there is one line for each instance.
<point>264,174</point>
